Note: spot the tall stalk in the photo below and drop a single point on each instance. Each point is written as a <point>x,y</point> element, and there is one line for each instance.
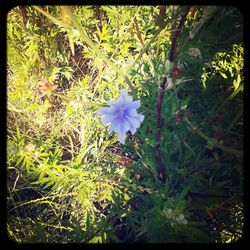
<point>161,91</point>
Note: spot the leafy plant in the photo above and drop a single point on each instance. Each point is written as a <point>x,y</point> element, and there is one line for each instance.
<point>178,178</point>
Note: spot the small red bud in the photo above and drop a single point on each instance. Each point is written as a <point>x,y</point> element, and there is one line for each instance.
<point>218,134</point>
<point>176,71</point>
<point>179,118</point>
<point>188,113</point>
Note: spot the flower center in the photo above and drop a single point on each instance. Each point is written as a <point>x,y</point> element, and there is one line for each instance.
<point>121,111</point>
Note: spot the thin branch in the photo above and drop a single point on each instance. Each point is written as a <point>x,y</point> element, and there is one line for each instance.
<point>206,165</point>
<point>138,32</point>
<point>145,48</point>
<point>18,175</point>
<point>214,142</point>
<point>128,28</point>
<point>92,104</point>
<point>172,54</point>
<point>161,167</point>
<point>24,15</point>
<point>207,195</point>
<point>236,118</point>
<point>53,19</point>
<point>97,51</point>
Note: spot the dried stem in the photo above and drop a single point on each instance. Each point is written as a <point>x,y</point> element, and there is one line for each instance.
<point>138,32</point>
<point>24,15</point>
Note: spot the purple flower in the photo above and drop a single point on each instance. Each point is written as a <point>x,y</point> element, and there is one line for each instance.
<point>121,115</point>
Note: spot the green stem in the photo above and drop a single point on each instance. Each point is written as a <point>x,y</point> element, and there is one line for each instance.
<point>53,19</point>
<point>145,48</point>
<point>202,135</point>
<point>129,67</point>
<point>213,142</point>
<point>93,104</point>
<point>153,67</point>
<point>175,95</point>
<point>240,88</point>
<point>236,118</point>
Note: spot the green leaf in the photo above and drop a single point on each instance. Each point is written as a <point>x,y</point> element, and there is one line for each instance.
<point>71,43</point>
<point>236,82</point>
<point>83,196</point>
<point>223,75</point>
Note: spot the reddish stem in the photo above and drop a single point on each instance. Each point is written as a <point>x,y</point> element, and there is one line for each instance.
<point>161,167</point>
<point>24,15</point>
<point>172,54</point>
<point>162,11</point>
<point>138,32</point>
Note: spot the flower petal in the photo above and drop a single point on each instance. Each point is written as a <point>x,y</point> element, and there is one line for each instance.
<point>124,99</point>
<point>124,92</point>
<point>114,125</point>
<point>106,111</point>
<point>122,128</point>
<point>134,104</point>
<point>125,126</point>
<point>102,111</point>
<point>117,103</point>
<point>140,117</point>
<point>131,112</point>
<point>127,98</point>
<point>121,138</point>
<point>134,122</point>
<point>132,130</point>
<point>107,119</point>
